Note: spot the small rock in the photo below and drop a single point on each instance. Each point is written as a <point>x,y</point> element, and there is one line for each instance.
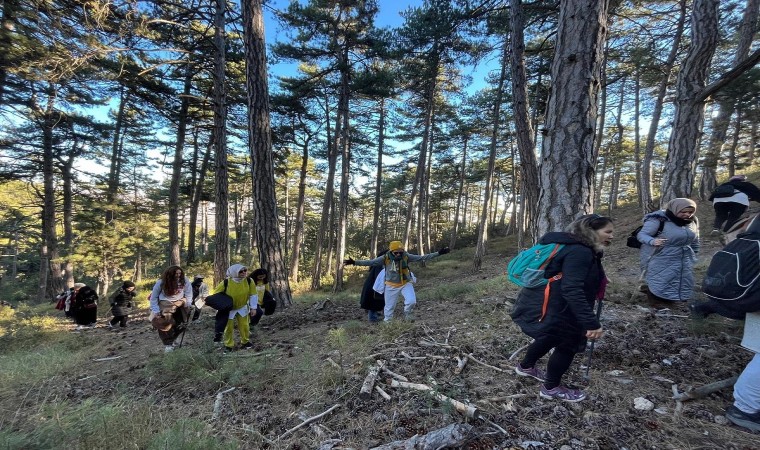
<point>642,404</point>
<point>655,367</point>
<point>684,352</point>
<point>720,420</point>
<point>528,444</point>
<point>615,373</point>
<point>636,352</point>
<point>661,410</point>
<point>711,352</point>
<point>667,362</point>
<point>566,447</point>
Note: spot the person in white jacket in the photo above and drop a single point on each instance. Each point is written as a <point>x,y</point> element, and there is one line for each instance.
<point>170,305</point>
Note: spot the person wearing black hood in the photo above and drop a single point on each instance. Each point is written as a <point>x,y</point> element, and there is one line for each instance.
<point>121,303</point>
<point>560,315</point>
<point>731,200</point>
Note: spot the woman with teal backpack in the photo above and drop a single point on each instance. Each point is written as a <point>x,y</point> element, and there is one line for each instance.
<point>560,315</point>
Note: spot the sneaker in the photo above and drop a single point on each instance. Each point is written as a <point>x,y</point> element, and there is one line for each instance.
<point>742,419</point>
<point>562,393</point>
<point>218,337</point>
<point>533,372</point>
<point>229,349</point>
<point>714,232</point>
<point>246,346</point>
<point>409,317</point>
<point>168,348</point>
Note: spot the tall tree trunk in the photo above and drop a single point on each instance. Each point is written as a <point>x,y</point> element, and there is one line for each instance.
<point>50,279</point>
<point>343,145</point>
<point>637,136</point>
<point>196,201</point>
<point>300,212</point>
<point>529,185</point>
<point>324,222</point>
<point>260,132</point>
<point>378,181</point>
<point>462,172</point>
<point>667,69</point>
<point>114,174</point>
<point>567,171</point>
<point>67,178</point>
<point>726,105</point>
<point>221,194</point>
<point>174,245</point>
<point>480,247</point>
<point>678,176</point>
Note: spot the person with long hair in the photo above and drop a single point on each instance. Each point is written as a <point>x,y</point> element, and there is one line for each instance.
<point>560,316</point>
<point>170,305</point>
<point>667,258</point>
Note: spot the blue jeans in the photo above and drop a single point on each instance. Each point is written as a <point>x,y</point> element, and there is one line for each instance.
<point>373,316</point>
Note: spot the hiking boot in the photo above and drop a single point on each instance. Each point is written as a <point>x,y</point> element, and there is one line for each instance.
<point>229,349</point>
<point>409,317</point>
<point>562,393</point>
<point>218,337</point>
<point>168,348</point>
<point>714,232</point>
<point>742,419</point>
<point>533,372</point>
<point>700,310</point>
<point>246,346</point>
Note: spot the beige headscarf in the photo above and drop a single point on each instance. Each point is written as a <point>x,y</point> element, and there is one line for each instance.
<point>677,204</point>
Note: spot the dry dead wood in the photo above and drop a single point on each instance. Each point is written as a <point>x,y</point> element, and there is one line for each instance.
<point>461,362</point>
<point>369,382</point>
<point>322,304</point>
<point>702,391</point>
<point>410,357</point>
<point>451,436</point>
<point>382,393</point>
<point>469,411</point>
<point>309,420</point>
<point>469,356</point>
<point>108,358</point>
<point>394,374</point>
<point>218,402</point>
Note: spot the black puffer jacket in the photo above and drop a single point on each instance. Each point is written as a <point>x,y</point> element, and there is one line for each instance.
<point>570,310</point>
<point>121,302</point>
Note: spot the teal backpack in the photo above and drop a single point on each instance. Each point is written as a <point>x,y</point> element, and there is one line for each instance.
<point>527,268</point>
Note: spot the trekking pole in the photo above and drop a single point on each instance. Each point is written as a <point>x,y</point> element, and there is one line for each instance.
<point>591,347</point>
<point>187,323</point>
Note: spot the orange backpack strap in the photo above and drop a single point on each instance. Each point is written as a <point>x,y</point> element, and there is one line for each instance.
<point>547,289</point>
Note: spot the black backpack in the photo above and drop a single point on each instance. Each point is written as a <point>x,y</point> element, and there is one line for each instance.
<point>724,190</point>
<point>633,242</point>
<point>732,281</point>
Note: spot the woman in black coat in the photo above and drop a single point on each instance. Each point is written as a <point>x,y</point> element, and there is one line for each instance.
<point>564,319</point>
<point>121,303</point>
<point>85,306</point>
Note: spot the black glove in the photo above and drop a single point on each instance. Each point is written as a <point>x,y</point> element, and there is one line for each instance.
<point>348,262</point>
<point>129,304</point>
<point>444,250</point>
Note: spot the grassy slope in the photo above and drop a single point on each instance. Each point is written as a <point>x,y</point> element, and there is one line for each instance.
<point>54,394</point>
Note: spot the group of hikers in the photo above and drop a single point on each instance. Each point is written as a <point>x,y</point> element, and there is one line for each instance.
<point>558,312</point>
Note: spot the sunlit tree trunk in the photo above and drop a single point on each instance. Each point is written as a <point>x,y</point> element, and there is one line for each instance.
<point>260,132</point>
<point>678,176</point>
<point>529,185</point>
<point>378,181</point>
<point>300,212</point>
<point>219,133</point>
<point>457,213</point>
<point>174,244</point>
<point>567,169</point>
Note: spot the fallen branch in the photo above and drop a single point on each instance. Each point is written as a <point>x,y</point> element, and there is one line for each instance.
<point>218,402</point>
<point>369,382</point>
<point>702,391</point>
<point>469,411</point>
<point>322,304</point>
<point>512,356</point>
<point>315,427</point>
<point>493,424</point>
<point>309,420</point>
<point>426,343</point>
<point>498,369</point>
<point>394,374</point>
<point>382,393</point>
<point>452,436</point>
<point>333,363</point>
<point>410,357</point>
<point>108,359</point>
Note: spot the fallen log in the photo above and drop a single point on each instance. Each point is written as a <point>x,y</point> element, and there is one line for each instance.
<point>702,391</point>
<point>498,369</point>
<point>394,374</point>
<point>382,393</point>
<point>469,411</point>
<point>451,436</point>
<point>309,420</point>
<point>369,382</point>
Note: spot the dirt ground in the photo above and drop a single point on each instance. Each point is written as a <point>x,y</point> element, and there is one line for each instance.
<point>645,354</point>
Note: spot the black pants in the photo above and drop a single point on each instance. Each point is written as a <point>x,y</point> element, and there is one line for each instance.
<point>728,212</point>
<point>121,320</point>
<point>559,361</point>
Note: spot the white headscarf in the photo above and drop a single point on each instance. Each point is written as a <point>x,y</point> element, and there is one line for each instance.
<point>233,273</point>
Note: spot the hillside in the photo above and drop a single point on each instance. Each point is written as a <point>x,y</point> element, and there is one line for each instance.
<point>103,389</point>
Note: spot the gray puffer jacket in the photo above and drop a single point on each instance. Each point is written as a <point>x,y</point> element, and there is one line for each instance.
<point>669,269</point>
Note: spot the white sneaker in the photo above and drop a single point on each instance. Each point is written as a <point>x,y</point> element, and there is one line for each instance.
<point>168,348</point>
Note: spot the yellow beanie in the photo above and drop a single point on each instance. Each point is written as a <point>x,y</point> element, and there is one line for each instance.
<point>395,245</point>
